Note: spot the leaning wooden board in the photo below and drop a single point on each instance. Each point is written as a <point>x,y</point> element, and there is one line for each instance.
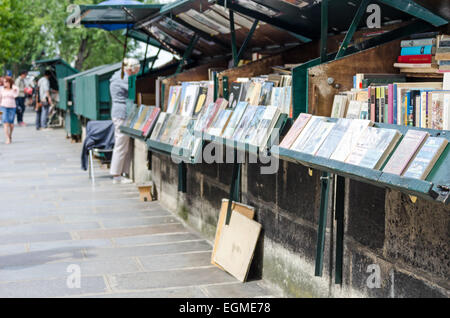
<point>245,210</point>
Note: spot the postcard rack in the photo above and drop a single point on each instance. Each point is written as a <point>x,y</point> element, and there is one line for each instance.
<point>435,188</point>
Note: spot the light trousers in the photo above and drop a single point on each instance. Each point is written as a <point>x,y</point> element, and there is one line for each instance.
<point>121,158</point>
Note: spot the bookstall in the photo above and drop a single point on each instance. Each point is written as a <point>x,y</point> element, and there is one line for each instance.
<point>60,70</point>
<point>330,214</point>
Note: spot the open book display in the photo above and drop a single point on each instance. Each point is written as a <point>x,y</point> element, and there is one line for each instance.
<point>245,127</point>
<point>412,160</point>
<point>141,121</point>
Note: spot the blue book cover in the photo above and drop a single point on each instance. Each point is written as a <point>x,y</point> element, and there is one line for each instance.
<point>354,82</point>
<point>417,50</point>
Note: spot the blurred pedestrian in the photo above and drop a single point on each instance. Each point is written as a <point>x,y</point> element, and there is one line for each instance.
<point>43,102</point>
<point>1,88</point>
<point>20,100</point>
<point>121,159</point>
<point>8,105</point>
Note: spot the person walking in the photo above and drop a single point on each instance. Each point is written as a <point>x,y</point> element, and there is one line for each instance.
<point>1,113</point>
<point>121,158</point>
<point>43,102</point>
<point>8,106</point>
<point>20,100</point>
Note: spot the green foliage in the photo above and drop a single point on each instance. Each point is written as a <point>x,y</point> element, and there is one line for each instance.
<point>35,29</point>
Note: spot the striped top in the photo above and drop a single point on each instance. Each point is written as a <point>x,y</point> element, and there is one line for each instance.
<point>8,97</point>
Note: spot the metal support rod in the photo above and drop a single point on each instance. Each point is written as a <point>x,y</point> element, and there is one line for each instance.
<point>235,186</point>
<point>187,53</point>
<point>225,87</point>
<point>324,30</point>
<point>340,206</point>
<point>325,190</point>
<point>216,87</point>
<point>182,174</point>
<point>156,57</point>
<point>145,56</point>
<point>233,40</point>
<point>351,31</point>
<point>247,40</point>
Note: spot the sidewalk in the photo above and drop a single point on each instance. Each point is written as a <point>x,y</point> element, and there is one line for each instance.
<point>51,217</point>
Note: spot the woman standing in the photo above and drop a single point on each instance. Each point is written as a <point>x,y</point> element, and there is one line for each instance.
<point>8,106</point>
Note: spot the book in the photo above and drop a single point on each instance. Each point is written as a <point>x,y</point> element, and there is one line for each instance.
<point>234,119</point>
<point>178,130</point>
<point>160,123</point>
<point>201,101</point>
<point>316,139</point>
<point>364,114</point>
<point>349,139</point>
<point>151,121</point>
<point>418,42</point>
<point>418,50</point>
<point>426,158</point>
<point>141,120</point>
<point>190,100</point>
<point>220,122</point>
<point>168,129</point>
<point>334,138</point>
<point>354,110</point>
<point>442,53</point>
<point>307,132</point>
<point>414,66</point>
<point>406,151</point>
<point>293,133</point>
<point>207,116</point>
<point>134,113</point>
<point>266,91</point>
<point>374,147</point>
<point>417,59</point>
<point>339,106</point>
<point>244,122</point>
<point>266,126</point>
<point>251,130</point>
<point>235,94</point>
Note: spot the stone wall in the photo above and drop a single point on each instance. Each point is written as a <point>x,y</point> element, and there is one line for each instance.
<point>407,242</point>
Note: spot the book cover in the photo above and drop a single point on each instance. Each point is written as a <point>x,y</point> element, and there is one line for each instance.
<point>418,42</point>
<point>220,122</point>
<point>354,110</point>
<point>416,59</point>
<point>349,140</point>
<point>373,96</point>
<point>201,101</point>
<point>406,151</point>
<point>426,158</point>
<point>235,93</point>
<point>374,147</point>
<point>334,138</point>
<point>141,119</point>
<point>390,115</point>
<point>160,123</point>
<point>151,122</point>
<point>244,122</point>
<point>307,132</point>
<point>295,130</point>
<point>364,114</point>
<point>134,113</point>
<point>266,126</point>
<point>316,140</point>
<point>339,106</point>
<point>190,100</point>
<point>170,126</point>
<point>234,120</point>
<point>418,50</point>
<point>266,91</point>
<point>252,129</point>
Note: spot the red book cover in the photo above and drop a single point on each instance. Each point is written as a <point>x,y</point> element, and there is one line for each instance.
<point>415,59</point>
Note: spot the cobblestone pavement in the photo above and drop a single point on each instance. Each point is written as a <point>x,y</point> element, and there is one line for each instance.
<point>51,217</point>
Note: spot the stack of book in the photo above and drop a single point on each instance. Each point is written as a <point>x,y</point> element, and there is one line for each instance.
<point>357,142</point>
<point>418,56</point>
<point>270,90</point>
<point>143,119</point>
<point>443,53</point>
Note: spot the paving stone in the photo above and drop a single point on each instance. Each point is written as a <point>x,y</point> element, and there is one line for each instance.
<point>59,269</point>
<point>12,249</point>
<point>39,237</point>
<point>51,288</point>
<point>146,250</point>
<point>237,290</point>
<point>147,230</point>
<point>176,261</point>
<point>156,239</point>
<point>167,279</point>
<point>49,228</point>
<point>80,244</point>
<point>20,260</point>
<point>184,292</point>
<point>114,224</point>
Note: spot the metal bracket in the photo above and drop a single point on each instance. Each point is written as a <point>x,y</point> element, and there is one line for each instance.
<point>325,190</point>
<point>187,53</point>
<point>235,187</point>
<point>182,177</point>
<point>339,216</point>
